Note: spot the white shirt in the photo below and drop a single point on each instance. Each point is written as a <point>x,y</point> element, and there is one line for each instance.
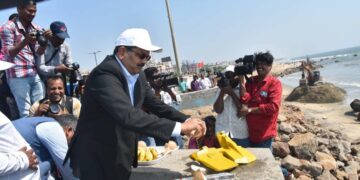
<point>228,121</point>
<point>63,56</point>
<point>13,163</point>
<point>205,83</point>
<point>166,98</point>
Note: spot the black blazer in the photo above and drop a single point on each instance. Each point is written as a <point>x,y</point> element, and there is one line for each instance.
<point>105,142</point>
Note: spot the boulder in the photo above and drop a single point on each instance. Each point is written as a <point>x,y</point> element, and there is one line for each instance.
<point>326,160</point>
<point>286,128</point>
<point>352,169</point>
<point>291,163</point>
<point>303,177</point>
<point>355,105</point>
<point>303,146</point>
<point>341,175</point>
<point>280,149</point>
<point>313,168</point>
<point>320,93</point>
<point>326,175</point>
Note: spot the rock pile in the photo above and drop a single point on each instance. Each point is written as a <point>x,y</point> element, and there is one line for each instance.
<point>310,151</point>
<point>320,93</point>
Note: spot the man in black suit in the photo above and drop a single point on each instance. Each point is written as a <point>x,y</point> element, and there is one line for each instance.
<point>105,142</point>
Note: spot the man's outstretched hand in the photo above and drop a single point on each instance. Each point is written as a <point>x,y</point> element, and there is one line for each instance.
<point>194,127</point>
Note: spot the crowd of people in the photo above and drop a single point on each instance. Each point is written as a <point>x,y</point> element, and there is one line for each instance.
<point>59,137</point>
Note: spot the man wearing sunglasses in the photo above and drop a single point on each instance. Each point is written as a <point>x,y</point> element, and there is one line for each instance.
<point>105,142</point>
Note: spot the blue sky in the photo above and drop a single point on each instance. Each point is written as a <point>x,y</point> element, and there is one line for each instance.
<point>209,30</point>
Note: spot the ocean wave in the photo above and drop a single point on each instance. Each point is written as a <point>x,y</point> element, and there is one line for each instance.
<point>354,84</point>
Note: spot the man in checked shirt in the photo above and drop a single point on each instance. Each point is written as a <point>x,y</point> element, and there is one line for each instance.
<point>20,47</point>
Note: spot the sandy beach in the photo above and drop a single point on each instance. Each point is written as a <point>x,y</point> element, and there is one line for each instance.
<point>336,116</point>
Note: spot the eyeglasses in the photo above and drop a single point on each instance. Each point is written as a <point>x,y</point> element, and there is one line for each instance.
<point>142,56</point>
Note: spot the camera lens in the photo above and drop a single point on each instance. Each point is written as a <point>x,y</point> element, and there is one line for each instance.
<point>54,108</point>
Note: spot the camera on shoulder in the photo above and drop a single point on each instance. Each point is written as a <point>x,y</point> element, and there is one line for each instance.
<point>167,79</point>
<point>245,65</point>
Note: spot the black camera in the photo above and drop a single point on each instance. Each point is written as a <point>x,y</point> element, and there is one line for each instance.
<point>167,79</point>
<point>223,81</point>
<point>40,38</point>
<point>75,75</point>
<point>245,65</point>
<point>54,108</point>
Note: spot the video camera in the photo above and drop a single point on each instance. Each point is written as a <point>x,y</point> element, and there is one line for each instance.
<point>75,75</point>
<point>244,66</point>
<point>40,38</point>
<point>223,81</point>
<point>247,65</point>
<point>167,79</point>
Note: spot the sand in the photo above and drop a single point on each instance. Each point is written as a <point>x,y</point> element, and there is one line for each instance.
<point>337,116</point>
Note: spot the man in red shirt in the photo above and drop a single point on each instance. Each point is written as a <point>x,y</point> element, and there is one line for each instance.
<point>262,94</point>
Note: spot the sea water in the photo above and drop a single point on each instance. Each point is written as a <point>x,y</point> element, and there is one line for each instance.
<point>343,72</point>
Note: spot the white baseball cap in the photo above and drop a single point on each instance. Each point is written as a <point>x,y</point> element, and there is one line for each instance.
<point>5,65</point>
<point>229,68</point>
<point>137,37</point>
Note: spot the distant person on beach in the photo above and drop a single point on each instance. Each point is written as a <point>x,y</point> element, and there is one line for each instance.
<point>262,94</point>
<point>227,105</point>
<point>195,85</point>
<point>209,140</point>
<point>57,57</point>
<point>105,141</point>
<point>56,102</point>
<point>312,75</point>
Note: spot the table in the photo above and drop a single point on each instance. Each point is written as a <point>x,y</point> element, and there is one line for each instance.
<point>177,166</point>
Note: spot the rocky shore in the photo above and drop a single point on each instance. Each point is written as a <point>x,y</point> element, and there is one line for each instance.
<point>315,141</point>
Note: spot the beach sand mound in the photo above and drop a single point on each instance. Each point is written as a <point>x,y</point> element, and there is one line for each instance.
<point>320,93</point>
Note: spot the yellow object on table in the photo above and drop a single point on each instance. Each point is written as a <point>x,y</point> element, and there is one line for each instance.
<point>233,151</point>
<point>224,158</point>
<point>213,159</point>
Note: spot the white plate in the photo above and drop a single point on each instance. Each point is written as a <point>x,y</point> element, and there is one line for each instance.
<point>161,155</point>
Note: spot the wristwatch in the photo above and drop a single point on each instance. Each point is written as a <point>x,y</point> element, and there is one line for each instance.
<point>249,110</point>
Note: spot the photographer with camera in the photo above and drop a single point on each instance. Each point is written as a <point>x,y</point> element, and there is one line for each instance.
<point>227,106</point>
<point>262,94</point>
<point>21,41</point>
<point>160,85</point>
<point>56,102</point>
<point>57,57</point>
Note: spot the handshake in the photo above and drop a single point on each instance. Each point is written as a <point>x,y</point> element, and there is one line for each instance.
<point>193,127</point>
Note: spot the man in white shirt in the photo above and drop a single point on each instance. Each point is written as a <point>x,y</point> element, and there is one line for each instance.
<point>205,82</point>
<point>227,105</point>
<point>17,159</point>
